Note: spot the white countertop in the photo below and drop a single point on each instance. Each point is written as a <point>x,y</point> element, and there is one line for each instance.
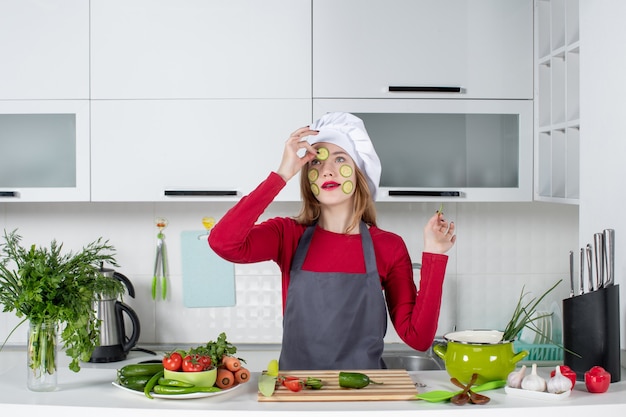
<point>90,392</point>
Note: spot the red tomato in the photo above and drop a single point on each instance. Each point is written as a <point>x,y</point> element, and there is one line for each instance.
<point>191,363</point>
<point>205,361</point>
<point>566,371</point>
<point>294,385</point>
<point>172,361</point>
<point>597,379</point>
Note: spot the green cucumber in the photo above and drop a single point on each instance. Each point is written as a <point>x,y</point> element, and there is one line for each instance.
<point>140,369</point>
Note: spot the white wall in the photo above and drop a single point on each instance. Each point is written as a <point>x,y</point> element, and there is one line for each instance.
<point>603,132</point>
<point>501,247</point>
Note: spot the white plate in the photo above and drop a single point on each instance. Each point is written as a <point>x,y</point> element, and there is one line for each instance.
<point>536,395</point>
<point>178,396</point>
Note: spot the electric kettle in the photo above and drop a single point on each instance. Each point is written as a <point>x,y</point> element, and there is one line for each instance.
<point>114,343</point>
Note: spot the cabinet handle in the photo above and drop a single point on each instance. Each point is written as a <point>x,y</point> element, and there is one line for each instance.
<point>9,194</point>
<point>423,89</point>
<point>412,193</point>
<point>199,193</point>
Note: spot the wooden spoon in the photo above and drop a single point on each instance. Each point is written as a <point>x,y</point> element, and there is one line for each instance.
<point>474,397</point>
<point>463,396</point>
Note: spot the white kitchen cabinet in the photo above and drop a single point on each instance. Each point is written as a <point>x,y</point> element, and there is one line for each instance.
<point>483,48</point>
<point>190,150</point>
<point>447,150</point>
<point>44,48</point>
<point>557,102</point>
<point>191,49</point>
<point>44,150</point>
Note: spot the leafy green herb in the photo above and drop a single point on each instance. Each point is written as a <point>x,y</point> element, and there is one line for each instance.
<point>43,285</point>
<point>523,315</point>
<point>217,349</point>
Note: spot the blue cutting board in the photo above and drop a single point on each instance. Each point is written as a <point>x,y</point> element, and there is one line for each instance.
<point>208,280</point>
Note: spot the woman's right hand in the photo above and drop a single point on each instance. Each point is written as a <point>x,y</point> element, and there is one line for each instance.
<point>292,162</point>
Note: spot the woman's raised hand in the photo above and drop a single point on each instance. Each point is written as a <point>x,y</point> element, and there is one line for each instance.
<point>291,163</point>
<point>439,235</point>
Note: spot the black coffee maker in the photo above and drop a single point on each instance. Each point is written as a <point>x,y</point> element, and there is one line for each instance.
<point>114,343</point>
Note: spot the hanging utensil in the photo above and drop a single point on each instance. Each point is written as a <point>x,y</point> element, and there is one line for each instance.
<point>160,262</point>
<point>598,243</point>
<point>609,250</point>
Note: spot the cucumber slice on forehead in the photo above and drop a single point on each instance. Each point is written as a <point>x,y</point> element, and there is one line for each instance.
<point>322,153</point>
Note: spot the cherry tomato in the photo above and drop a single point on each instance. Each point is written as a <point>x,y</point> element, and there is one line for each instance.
<point>191,363</point>
<point>172,361</point>
<point>568,372</point>
<point>294,385</point>
<point>205,361</point>
<point>597,379</point>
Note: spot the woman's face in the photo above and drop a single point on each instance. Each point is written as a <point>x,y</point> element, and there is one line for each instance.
<point>331,175</point>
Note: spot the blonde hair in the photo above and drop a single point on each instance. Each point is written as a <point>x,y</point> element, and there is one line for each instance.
<point>364,208</point>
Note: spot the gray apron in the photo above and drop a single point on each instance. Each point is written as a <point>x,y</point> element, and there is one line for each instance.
<point>334,320</point>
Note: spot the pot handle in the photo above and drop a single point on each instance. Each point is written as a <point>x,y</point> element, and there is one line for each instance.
<point>120,309</point>
<point>440,350</point>
<point>518,357</point>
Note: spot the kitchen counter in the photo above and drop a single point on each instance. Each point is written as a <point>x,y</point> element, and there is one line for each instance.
<point>90,392</point>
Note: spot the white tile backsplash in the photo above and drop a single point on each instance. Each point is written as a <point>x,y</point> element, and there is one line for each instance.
<point>500,248</point>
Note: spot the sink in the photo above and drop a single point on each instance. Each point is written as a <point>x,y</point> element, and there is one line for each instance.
<point>413,362</point>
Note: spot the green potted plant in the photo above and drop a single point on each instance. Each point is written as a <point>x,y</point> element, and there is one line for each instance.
<point>55,292</point>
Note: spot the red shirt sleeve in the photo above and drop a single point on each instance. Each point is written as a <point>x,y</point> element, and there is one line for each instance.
<point>237,238</point>
<point>414,314</point>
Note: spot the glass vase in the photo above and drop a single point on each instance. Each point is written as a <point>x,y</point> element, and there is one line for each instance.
<point>42,356</point>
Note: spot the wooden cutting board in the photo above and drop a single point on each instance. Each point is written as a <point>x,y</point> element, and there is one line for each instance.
<point>397,385</point>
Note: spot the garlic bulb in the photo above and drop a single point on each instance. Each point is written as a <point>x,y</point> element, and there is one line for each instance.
<point>534,382</point>
<point>514,380</point>
<point>559,383</point>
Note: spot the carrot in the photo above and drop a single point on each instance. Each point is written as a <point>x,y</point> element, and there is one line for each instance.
<point>242,375</point>
<point>231,363</point>
<point>225,378</point>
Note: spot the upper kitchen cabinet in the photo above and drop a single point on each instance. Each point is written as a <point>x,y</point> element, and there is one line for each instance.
<point>44,150</point>
<point>190,150</point>
<point>44,48</point>
<point>473,49</point>
<point>190,49</point>
<point>557,102</point>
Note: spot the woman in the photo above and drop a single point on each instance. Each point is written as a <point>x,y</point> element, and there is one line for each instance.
<point>335,261</point>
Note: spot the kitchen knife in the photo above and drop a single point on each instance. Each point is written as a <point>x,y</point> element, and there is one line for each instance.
<point>582,272</point>
<point>589,268</point>
<point>609,251</point>
<point>571,273</point>
<point>598,243</point>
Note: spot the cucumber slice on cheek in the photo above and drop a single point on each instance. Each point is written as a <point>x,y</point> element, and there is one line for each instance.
<point>347,187</point>
<point>345,171</point>
<point>315,189</point>
<point>313,175</point>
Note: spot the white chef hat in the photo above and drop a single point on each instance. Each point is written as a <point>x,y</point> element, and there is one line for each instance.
<point>348,132</point>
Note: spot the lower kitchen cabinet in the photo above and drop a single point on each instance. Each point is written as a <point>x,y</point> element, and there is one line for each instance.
<point>190,150</point>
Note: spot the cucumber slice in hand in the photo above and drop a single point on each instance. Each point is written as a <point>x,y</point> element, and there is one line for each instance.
<point>322,154</point>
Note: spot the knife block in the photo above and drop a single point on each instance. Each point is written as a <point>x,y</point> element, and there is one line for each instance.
<point>591,330</point>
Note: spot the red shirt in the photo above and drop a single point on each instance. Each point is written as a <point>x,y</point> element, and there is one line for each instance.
<point>238,238</point>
